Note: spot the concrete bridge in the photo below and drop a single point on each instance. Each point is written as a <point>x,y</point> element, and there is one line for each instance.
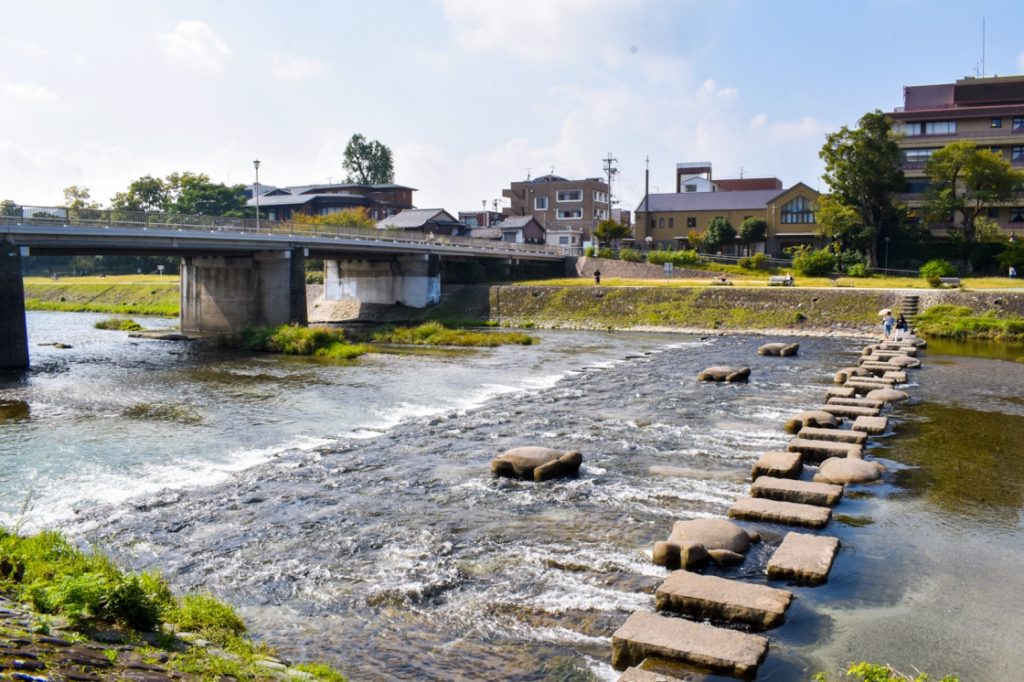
<point>237,272</point>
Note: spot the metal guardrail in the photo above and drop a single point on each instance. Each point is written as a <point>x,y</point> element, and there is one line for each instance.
<point>145,220</point>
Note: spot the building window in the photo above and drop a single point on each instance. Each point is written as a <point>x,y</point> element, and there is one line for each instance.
<point>993,213</point>
<point>652,223</point>
<point>540,203</point>
<point>661,222</point>
<point>563,240</point>
<point>997,122</point>
<point>1016,154</point>
<point>797,211</point>
<point>918,155</point>
<point>918,186</point>
<point>600,197</point>
<point>671,223</point>
<point>691,221</point>
<point>928,128</point>
<point>569,213</point>
<point>1017,214</point>
<point>569,195</point>
<point>1018,124</point>
<point>600,213</point>
<point>690,188</point>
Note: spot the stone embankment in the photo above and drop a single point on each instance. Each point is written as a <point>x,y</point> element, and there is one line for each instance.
<point>826,448</point>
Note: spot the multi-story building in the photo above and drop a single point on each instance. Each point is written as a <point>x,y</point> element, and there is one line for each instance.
<point>380,201</point>
<point>987,111</point>
<point>558,202</point>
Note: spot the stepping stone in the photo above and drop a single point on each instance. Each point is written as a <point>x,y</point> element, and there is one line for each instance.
<point>872,379</point>
<point>858,402</point>
<point>801,492</point>
<point>887,355</point>
<point>674,639</point>
<point>778,464</point>
<point>773,511</point>
<point>907,348</point>
<point>870,425</point>
<point>897,375</point>
<point>877,368</point>
<point>818,450</point>
<point>839,435</point>
<point>851,411</point>
<point>839,392</point>
<point>706,597</point>
<point>803,558</point>
<point>848,470</point>
<point>862,388</point>
<point>641,675</point>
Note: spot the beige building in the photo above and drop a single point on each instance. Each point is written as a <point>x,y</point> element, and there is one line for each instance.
<point>988,111</point>
<point>558,202</point>
<point>668,219</point>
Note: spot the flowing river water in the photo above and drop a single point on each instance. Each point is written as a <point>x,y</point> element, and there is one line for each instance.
<point>347,510</point>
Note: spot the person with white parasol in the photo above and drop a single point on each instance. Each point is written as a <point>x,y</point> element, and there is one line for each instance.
<point>888,321</point>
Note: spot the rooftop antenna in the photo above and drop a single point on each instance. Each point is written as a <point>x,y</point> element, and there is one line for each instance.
<point>483,202</point>
<point>741,172</point>
<point>527,179</point>
<point>552,169</point>
<point>983,47</point>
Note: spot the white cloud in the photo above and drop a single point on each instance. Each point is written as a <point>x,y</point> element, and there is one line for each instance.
<point>288,67</point>
<point>27,94</point>
<point>195,45</point>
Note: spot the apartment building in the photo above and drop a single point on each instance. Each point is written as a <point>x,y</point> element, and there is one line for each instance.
<point>557,202</point>
<point>987,111</point>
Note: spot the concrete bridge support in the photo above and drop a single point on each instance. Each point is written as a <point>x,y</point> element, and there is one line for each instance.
<point>413,280</point>
<point>224,294</point>
<point>13,333</point>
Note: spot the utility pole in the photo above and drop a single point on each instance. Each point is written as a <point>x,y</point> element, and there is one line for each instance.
<point>609,171</point>
<point>647,195</point>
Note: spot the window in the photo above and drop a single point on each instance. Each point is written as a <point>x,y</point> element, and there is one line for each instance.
<point>671,223</point>
<point>1018,124</point>
<point>997,123</point>
<point>1017,214</point>
<point>797,211</point>
<point>600,213</point>
<point>690,188</point>
<point>691,221</point>
<point>918,186</point>
<point>540,203</point>
<point>661,222</point>
<point>918,155</point>
<point>563,240</point>
<point>652,223</point>
<point>993,213</point>
<point>600,197</point>
<point>928,128</point>
<point>569,213</point>
<point>1016,154</point>
<point>569,195</point>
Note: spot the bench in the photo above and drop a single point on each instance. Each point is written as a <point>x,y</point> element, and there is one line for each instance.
<point>949,281</point>
<point>780,281</point>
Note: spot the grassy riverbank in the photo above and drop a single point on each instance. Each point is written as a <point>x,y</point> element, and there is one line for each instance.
<point>119,295</point>
<point>962,324</point>
<point>436,334</point>
<point>77,606</point>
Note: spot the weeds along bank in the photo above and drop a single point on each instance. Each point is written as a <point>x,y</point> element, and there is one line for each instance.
<point>98,296</point>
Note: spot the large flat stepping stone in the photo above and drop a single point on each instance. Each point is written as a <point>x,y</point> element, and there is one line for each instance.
<point>778,464</point>
<point>726,374</point>
<point>889,395</point>
<point>888,355</point>
<point>818,450</point>
<point>773,511</point>
<point>801,492</point>
<point>897,375</point>
<point>851,411</point>
<point>840,435</point>
<point>803,558</point>
<point>641,675</point>
<point>878,368</point>
<point>706,597</point>
<point>839,392</point>
<point>857,402</point>
<point>861,387</point>
<point>674,639</point>
<point>847,470</point>
<point>872,426</point>
<point>536,463</point>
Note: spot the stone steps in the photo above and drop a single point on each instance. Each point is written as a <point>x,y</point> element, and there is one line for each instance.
<point>803,558</point>
<point>857,402</point>
<point>897,375</point>
<point>801,492</point>
<point>778,464</point>
<point>641,675</point>
<point>851,411</point>
<point>706,597</point>
<point>773,511</point>
<point>839,392</point>
<point>650,635</point>
<point>820,450</point>
<point>839,435</point>
<point>870,425</point>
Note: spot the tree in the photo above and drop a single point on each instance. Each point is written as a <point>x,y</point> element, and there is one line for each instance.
<point>719,233</point>
<point>77,198</point>
<point>965,182</point>
<point>863,169</point>
<point>145,194</point>
<point>753,230</point>
<point>608,231</point>
<point>9,209</point>
<point>183,193</point>
<point>368,162</point>
<point>842,225</point>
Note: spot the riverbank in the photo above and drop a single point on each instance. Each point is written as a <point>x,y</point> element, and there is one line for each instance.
<point>119,295</point>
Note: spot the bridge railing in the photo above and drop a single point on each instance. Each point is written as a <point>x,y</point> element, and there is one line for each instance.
<point>145,220</point>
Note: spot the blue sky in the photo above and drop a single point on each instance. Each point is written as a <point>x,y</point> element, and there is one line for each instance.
<point>469,94</point>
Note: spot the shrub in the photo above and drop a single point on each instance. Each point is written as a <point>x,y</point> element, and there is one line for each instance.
<point>758,261</point>
<point>631,255</point>
<point>680,258</point>
<point>605,252</point>
<point>291,339</point>
<point>589,252</point>
<point>938,268</point>
<point>436,334</point>
<point>857,270</point>
<point>314,276</point>
<point>813,262</point>
<point>123,324</point>
<point>202,613</point>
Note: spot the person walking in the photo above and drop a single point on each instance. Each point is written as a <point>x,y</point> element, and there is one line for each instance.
<point>901,327</point>
<point>597,276</point>
<point>887,324</point>
<point>1013,272</point>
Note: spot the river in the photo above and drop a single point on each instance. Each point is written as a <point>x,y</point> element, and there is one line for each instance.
<point>347,509</point>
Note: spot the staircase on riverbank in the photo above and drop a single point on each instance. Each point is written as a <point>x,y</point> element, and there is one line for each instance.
<point>909,307</point>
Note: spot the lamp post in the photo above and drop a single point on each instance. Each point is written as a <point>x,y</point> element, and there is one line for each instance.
<point>886,255</point>
<point>256,192</point>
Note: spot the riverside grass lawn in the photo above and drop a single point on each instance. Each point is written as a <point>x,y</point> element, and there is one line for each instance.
<point>116,294</point>
<point>759,280</point>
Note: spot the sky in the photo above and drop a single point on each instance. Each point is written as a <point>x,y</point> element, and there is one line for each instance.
<point>470,95</point>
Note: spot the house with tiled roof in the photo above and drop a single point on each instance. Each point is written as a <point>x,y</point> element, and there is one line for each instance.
<point>427,220</point>
<point>380,201</point>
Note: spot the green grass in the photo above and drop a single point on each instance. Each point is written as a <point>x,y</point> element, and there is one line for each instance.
<point>329,344</point>
<point>960,322</point>
<point>57,579</point>
<point>123,324</point>
<point>116,295</point>
<point>755,278</point>
<point>436,334</point>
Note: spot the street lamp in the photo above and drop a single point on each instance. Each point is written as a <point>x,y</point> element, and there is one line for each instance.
<point>256,192</point>
<point>886,255</point>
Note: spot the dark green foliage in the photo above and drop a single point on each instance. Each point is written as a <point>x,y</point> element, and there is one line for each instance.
<point>934,269</point>
<point>720,233</point>
<point>605,252</point>
<point>753,230</point>
<point>368,161</point>
<point>960,322</point>
<point>295,340</point>
<point>631,255</point>
<point>186,193</point>
<point>608,231</point>
<point>436,334</point>
<point>689,257</point>
<point>119,324</point>
<point>1013,256</point>
<point>758,261</point>
<point>814,262</point>
<point>589,252</point>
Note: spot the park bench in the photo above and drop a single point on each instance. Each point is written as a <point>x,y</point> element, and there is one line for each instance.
<point>949,281</point>
<point>780,281</point>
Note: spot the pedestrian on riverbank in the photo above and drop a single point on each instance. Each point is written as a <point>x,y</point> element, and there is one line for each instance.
<point>901,327</point>
<point>887,324</point>
<point>1013,272</point>
<point>597,276</point>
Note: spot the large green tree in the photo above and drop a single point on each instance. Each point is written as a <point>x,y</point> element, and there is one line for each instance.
<point>77,198</point>
<point>145,194</point>
<point>719,233</point>
<point>368,162</point>
<point>863,168</point>
<point>183,193</point>
<point>8,208</point>
<point>753,230</point>
<point>608,231</point>
<point>965,182</point>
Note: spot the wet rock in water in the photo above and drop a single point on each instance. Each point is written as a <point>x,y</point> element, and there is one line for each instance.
<point>726,374</point>
<point>536,463</point>
<point>888,395</point>
<point>692,543</point>
<point>779,465</point>
<point>11,410</point>
<point>62,346</point>
<point>803,558</point>
<point>846,372</point>
<point>779,349</point>
<point>811,418</point>
<point>870,425</point>
<point>843,470</point>
<point>774,511</point>
<point>705,597</point>
<point>904,361</point>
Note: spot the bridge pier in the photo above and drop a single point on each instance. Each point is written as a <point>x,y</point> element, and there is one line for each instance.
<point>13,332</point>
<point>413,280</point>
<point>227,293</point>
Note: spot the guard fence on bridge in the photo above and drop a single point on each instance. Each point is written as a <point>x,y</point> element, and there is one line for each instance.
<point>150,220</point>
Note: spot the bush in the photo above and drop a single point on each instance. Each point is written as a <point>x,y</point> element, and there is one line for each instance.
<point>589,252</point>
<point>605,252</point>
<point>291,339</point>
<point>123,324</point>
<point>314,276</point>
<point>857,270</point>
<point>758,261</point>
<point>631,255</point>
<point>680,258</point>
<point>937,268</point>
<point>436,334</point>
<point>814,262</point>
<point>202,613</point>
